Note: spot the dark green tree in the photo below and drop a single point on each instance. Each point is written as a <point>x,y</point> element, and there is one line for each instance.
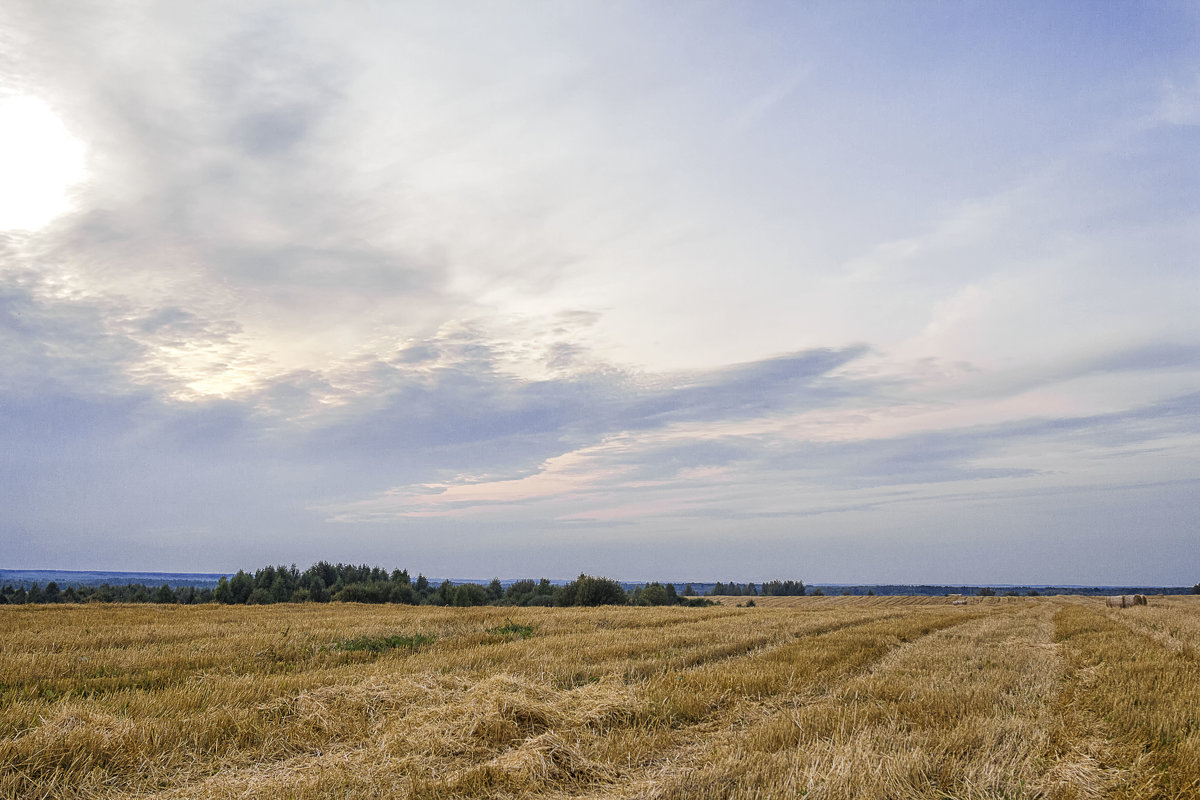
<point>654,594</point>
<point>259,597</point>
<point>240,587</point>
<point>589,591</point>
<point>280,593</point>
<point>471,594</point>
<point>519,591</point>
<point>402,593</point>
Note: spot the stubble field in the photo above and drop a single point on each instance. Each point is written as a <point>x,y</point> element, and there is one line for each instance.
<point>825,698</point>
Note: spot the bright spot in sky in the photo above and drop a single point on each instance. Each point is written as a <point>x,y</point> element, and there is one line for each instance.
<point>39,163</point>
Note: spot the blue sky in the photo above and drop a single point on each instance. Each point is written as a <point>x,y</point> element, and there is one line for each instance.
<point>870,292</point>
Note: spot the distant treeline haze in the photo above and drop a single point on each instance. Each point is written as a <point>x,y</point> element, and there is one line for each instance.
<point>325,582</point>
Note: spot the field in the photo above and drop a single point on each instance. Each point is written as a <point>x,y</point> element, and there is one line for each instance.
<point>859,697</point>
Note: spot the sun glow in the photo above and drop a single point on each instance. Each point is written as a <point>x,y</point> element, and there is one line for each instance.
<point>40,161</point>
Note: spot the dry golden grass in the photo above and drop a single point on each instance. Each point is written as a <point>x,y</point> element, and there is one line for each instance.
<point>822,697</point>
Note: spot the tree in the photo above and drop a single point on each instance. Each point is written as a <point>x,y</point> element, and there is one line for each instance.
<point>443,595</point>
<point>470,594</point>
<point>223,594</point>
<point>164,594</point>
<point>588,591</point>
<point>987,591</point>
<point>317,589</point>
<point>495,590</point>
<point>51,593</point>
<point>280,593</point>
<point>654,594</point>
<point>519,591</point>
<point>1196,589</point>
<point>240,587</point>
<point>402,592</point>
<point>783,589</point>
<point>259,597</point>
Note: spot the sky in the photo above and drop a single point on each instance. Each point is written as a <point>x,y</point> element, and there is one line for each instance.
<point>838,291</point>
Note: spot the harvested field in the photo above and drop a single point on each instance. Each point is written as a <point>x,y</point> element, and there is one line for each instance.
<point>833,697</point>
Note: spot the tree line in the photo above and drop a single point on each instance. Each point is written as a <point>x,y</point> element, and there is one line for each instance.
<point>324,582</point>
<point>768,589</point>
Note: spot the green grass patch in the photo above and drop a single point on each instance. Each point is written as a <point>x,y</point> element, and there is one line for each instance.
<point>378,644</point>
<point>513,629</point>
